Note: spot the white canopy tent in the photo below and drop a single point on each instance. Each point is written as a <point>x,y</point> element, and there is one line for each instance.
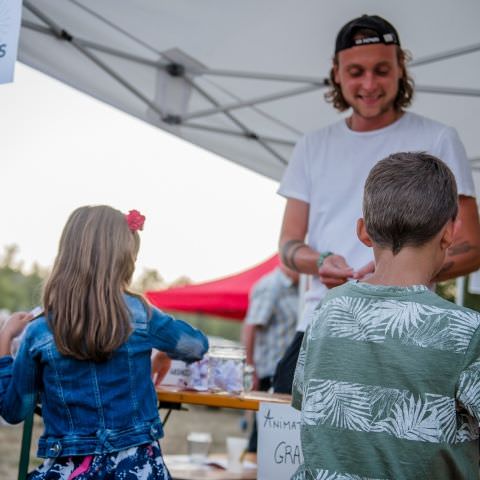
<point>246,79</point>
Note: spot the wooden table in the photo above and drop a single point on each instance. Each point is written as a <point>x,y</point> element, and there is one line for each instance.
<point>243,401</point>
<point>173,397</point>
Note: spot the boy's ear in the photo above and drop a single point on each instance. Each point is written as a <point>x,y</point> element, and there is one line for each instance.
<point>449,232</point>
<point>362,233</point>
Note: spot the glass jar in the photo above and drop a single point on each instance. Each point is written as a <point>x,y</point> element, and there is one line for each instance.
<point>226,366</point>
<point>248,376</point>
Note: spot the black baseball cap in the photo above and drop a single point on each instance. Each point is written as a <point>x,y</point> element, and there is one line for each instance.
<point>385,33</point>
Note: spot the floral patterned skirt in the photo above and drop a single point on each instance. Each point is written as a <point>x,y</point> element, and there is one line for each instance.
<point>144,462</point>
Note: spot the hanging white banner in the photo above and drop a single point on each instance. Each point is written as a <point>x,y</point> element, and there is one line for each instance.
<point>10,17</point>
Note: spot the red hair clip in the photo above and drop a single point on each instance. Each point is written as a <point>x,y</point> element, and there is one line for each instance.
<point>135,220</point>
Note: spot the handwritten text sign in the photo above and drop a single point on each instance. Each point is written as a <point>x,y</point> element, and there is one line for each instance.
<point>279,453</point>
<point>10,16</point>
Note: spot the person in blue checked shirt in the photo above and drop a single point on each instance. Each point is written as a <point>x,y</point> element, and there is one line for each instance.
<point>269,327</point>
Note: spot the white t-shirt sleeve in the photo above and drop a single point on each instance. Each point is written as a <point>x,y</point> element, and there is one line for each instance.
<point>296,179</point>
<point>451,150</point>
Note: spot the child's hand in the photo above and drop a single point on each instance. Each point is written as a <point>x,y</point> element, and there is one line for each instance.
<point>12,328</point>
<point>160,366</point>
<point>15,324</point>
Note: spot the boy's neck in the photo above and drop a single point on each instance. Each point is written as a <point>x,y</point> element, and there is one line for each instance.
<point>410,266</point>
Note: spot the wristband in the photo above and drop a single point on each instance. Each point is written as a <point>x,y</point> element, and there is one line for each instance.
<point>322,258</point>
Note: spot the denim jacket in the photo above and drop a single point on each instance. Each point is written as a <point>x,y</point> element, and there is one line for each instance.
<point>88,407</point>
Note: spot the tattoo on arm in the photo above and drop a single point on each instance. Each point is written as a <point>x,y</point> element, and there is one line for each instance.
<point>288,251</point>
<point>454,250</point>
<point>292,256</point>
<point>460,249</point>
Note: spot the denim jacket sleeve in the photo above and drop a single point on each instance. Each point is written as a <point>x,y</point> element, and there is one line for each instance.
<point>18,384</point>
<point>176,338</point>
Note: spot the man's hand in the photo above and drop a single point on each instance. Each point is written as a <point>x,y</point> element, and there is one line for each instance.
<point>365,271</point>
<point>335,271</point>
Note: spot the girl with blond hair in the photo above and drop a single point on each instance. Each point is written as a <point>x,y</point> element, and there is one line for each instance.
<point>87,357</point>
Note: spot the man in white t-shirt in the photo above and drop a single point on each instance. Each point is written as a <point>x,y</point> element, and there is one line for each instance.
<point>324,180</point>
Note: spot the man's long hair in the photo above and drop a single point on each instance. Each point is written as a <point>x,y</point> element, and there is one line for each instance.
<point>83,296</point>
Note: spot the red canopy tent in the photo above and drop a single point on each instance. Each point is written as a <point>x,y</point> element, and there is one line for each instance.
<point>225,297</point>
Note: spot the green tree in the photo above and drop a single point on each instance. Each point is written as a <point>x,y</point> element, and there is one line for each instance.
<point>149,279</point>
<point>18,290</point>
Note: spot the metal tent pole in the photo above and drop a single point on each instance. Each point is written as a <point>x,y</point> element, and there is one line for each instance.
<point>64,35</point>
<point>251,102</point>
<point>469,92</point>
<point>437,57</point>
<point>226,131</point>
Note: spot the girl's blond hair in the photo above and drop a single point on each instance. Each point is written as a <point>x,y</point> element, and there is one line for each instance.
<point>83,296</point>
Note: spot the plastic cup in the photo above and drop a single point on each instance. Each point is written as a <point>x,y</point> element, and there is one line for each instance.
<point>236,447</point>
<point>198,444</point>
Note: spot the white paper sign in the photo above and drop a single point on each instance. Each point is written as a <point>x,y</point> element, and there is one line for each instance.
<point>194,376</point>
<point>10,17</point>
<point>178,375</point>
<point>279,452</point>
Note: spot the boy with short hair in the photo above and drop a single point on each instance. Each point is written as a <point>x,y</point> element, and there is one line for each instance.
<point>388,377</point>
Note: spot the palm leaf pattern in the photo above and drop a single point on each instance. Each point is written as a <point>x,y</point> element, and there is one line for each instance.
<point>342,404</point>
<point>469,389</point>
<point>383,400</point>
<point>324,475</point>
<point>431,334</point>
<point>412,420</point>
<point>297,386</point>
<point>462,326</point>
<point>443,408</point>
<point>401,317</point>
<point>352,318</point>
<point>467,428</point>
<point>412,323</point>
<point>300,474</point>
<point>407,413</point>
<point>368,408</point>
<point>318,322</point>
<point>329,475</point>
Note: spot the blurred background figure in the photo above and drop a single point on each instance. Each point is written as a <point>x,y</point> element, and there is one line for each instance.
<point>269,327</point>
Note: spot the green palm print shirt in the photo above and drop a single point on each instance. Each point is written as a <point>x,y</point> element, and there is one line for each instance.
<point>388,382</point>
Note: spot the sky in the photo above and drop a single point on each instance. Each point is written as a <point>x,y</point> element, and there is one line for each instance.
<point>206,217</point>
